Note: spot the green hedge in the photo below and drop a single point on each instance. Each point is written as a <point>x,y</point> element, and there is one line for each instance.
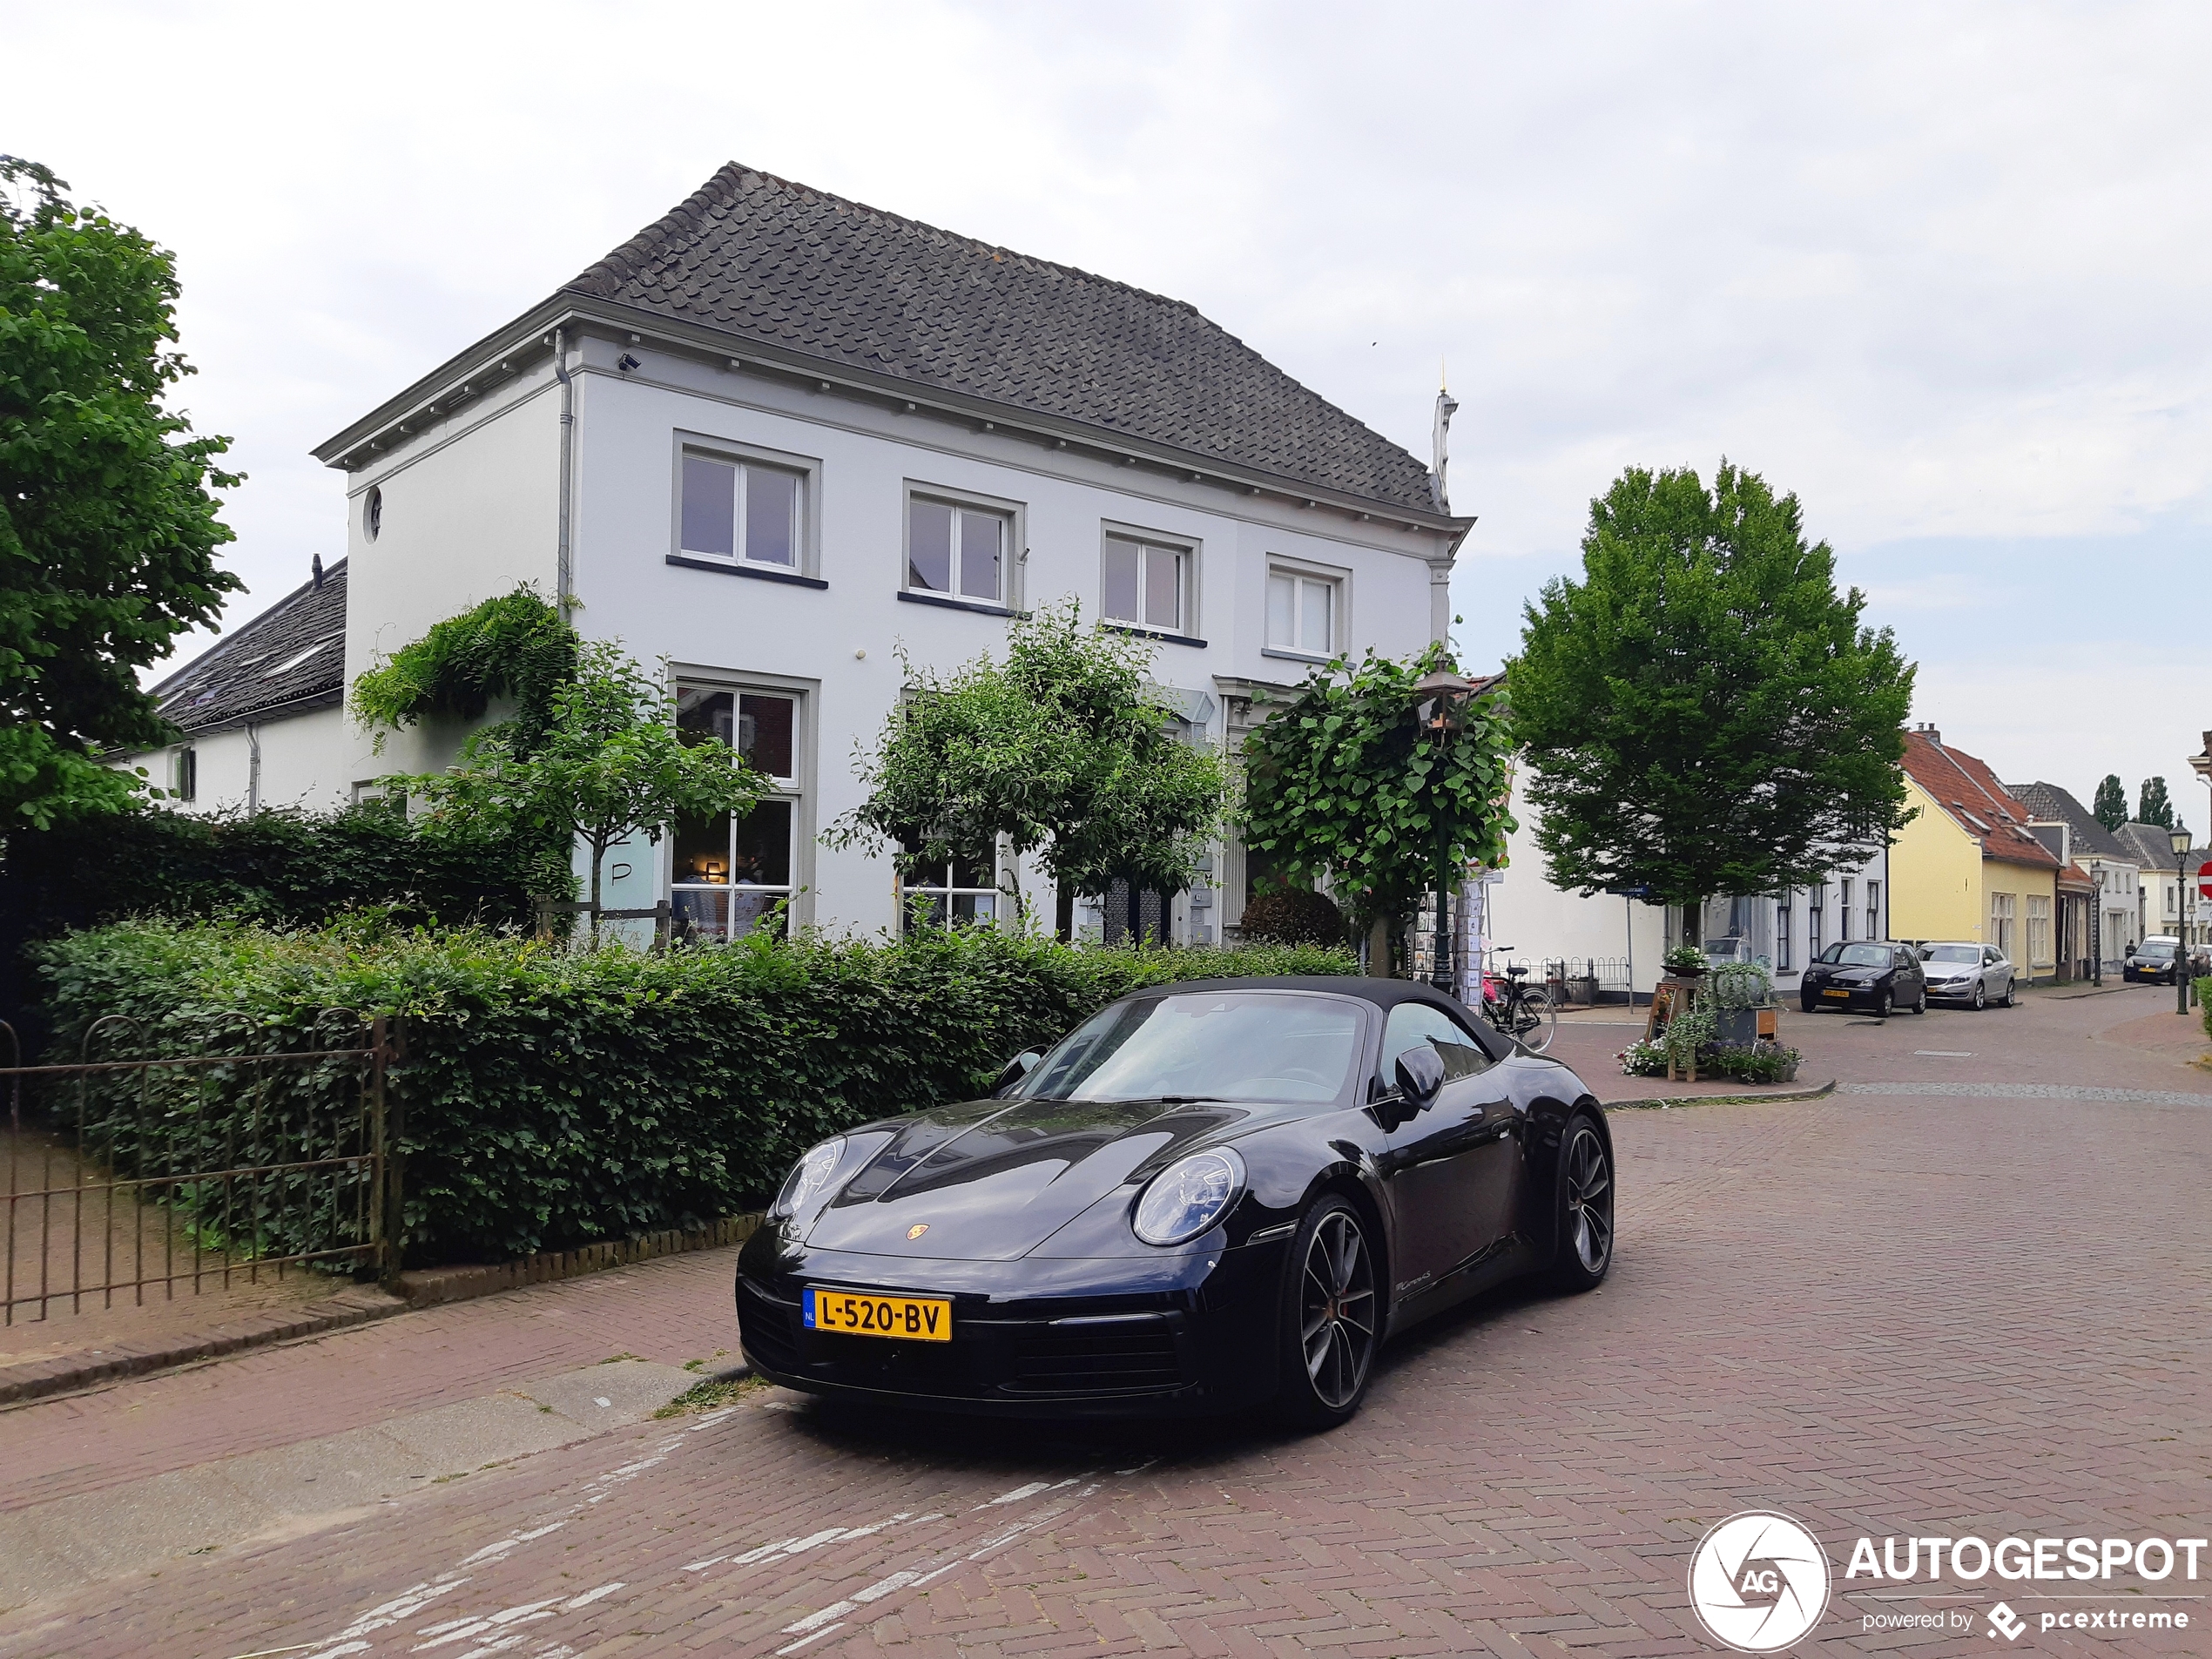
<point>287,868</point>
<point>555,1098</point>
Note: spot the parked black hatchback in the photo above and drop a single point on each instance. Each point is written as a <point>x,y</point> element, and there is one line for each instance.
<point>1881,976</point>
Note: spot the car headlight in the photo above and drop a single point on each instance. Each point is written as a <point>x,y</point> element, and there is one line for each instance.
<point>810,1176</point>
<point>1189,1196</point>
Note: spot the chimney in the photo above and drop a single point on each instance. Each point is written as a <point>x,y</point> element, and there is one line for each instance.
<point>1928,731</point>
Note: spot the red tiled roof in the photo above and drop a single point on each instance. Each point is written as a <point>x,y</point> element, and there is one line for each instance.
<point>2075,879</point>
<point>1969,791</point>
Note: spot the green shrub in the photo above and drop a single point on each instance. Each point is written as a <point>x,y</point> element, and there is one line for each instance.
<point>288,868</point>
<point>554,1097</point>
<point>1293,916</point>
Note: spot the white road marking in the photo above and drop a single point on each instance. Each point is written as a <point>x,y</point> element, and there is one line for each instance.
<point>490,1551</point>
<point>803,1641</point>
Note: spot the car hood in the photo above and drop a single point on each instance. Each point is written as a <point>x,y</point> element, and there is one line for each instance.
<point>987,1184</point>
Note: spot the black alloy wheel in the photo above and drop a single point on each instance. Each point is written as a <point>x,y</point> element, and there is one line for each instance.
<point>1981,993</point>
<point>1332,1320</point>
<point>1585,1208</point>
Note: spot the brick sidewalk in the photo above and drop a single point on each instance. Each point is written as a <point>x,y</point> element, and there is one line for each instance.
<point>1885,1314</point>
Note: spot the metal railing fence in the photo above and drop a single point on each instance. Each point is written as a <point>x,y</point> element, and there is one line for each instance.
<point>152,1173</point>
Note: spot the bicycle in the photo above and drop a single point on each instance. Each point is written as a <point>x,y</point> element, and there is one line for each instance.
<point>1522,1012</point>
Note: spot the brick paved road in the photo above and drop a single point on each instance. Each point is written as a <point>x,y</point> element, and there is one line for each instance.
<point>1885,1313</point>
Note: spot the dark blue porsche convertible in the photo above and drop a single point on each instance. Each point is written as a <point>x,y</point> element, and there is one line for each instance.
<point>1210,1197</point>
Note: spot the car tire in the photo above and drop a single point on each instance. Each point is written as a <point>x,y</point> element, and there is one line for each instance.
<point>1584,1237</point>
<point>2008,1000</point>
<point>1921,1006</point>
<point>1885,1005</point>
<point>1809,1005</point>
<point>1331,1281</point>
<point>1981,994</point>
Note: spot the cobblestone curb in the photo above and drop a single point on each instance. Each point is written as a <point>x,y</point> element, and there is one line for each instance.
<point>1764,1096</point>
<point>66,1373</point>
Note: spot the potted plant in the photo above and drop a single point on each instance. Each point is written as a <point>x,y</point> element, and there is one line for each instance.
<point>1684,961</point>
<point>1736,993</point>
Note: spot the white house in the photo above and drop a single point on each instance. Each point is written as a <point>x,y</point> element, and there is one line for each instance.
<point>1619,940</point>
<point>777,438</point>
<point>2111,863</point>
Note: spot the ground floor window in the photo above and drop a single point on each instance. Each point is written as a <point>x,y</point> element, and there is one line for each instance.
<point>961,892</point>
<point>1873,910</point>
<point>1815,900</point>
<point>1782,924</point>
<point>727,874</point>
<point>2001,913</point>
<point>2039,930</point>
<point>1843,912</point>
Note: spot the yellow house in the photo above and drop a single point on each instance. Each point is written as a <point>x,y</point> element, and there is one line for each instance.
<point>1966,867</point>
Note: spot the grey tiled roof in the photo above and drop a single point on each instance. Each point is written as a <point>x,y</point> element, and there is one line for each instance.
<point>2153,850</point>
<point>762,258</point>
<point>2048,801</point>
<point>293,656</point>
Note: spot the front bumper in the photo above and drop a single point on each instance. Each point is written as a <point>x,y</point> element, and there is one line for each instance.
<point>1855,997</point>
<point>1108,1338</point>
<point>1954,991</point>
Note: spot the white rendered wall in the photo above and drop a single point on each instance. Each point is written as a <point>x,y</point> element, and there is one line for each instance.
<point>1543,923</point>
<point>841,646</point>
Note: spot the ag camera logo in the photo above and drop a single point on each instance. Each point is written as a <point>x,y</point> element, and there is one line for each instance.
<point>1758,1581</point>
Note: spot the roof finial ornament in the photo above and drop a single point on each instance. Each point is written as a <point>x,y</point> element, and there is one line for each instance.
<point>1446,405</point>
<point>314,569</point>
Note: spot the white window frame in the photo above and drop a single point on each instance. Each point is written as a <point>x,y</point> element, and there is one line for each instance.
<point>2004,916</point>
<point>796,788</point>
<point>947,895</point>
<point>1843,912</point>
<point>183,773</point>
<point>1300,570</point>
<point>1783,918</point>
<point>806,530</point>
<point>1014,547</point>
<point>1182,548</point>
<point>1873,910</point>
<point>2039,931</point>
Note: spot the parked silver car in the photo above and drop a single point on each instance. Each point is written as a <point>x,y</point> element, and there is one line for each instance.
<point>1974,974</point>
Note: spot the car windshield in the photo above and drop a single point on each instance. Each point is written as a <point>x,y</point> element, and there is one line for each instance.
<point>1207,1045</point>
<point>2155,950</point>
<point>1856,956</point>
<point>1968,954</point>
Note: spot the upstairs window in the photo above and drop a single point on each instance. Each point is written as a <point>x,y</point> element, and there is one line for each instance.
<point>184,773</point>
<point>740,510</point>
<point>1143,585</point>
<point>956,549</point>
<point>1303,612</point>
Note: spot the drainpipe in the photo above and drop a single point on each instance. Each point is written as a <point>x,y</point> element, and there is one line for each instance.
<point>253,768</point>
<point>563,582</point>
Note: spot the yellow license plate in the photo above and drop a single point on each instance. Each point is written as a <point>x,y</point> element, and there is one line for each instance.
<point>910,1318</point>
<point>1845,994</point>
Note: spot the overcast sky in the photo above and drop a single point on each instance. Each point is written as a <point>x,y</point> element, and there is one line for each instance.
<point>1941,271</point>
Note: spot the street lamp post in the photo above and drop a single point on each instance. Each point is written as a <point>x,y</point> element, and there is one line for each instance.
<point>2179,838</point>
<point>2202,765</point>
<point>1442,709</point>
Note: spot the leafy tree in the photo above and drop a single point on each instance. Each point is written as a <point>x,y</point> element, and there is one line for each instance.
<point>2152,807</point>
<point>1346,781</point>
<point>1702,711</point>
<point>1062,750</point>
<point>2111,805</point>
<point>608,765</point>
<point>107,530</point>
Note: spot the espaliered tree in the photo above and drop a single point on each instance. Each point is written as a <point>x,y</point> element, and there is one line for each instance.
<point>1702,711</point>
<point>108,529</point>
<point>1063,751</point>
<point>1346,781</point>
<point>608,763</point>
<point>2110,808</point>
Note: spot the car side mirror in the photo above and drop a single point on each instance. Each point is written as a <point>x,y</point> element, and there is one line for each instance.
<point>1421,1076</point>
<point>1016,1068</point>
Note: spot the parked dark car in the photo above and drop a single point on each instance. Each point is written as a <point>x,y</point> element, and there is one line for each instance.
<point>1882,976</point>
<point>1962,971</point>
<point>1207,1197</point>
<point>2153,961</point>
